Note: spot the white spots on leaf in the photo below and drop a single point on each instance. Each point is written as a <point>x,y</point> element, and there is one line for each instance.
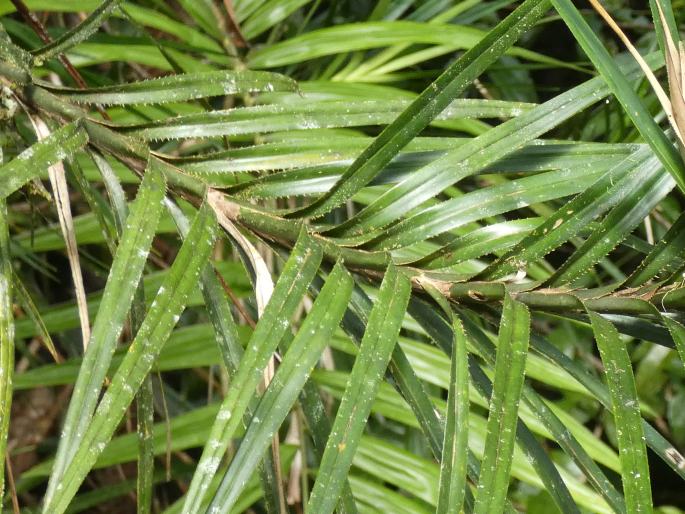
<point>26,154</point>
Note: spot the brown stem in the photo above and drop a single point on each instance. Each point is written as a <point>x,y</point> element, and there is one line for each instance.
<point>10,483</point>
<point>233,28</point>
<point>236,301</point>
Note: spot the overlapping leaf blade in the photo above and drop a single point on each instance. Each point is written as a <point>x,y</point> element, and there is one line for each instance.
<point>512,349</point>
<point>479,216</point>
<point>375,351</point>
<point>179,88</point>
<point>302,354</point>
<point>273,324</point>
<point>634,107</point>
<point>79,33</point>
<point>472,157</point>
<point>428,105</point>
<point>157,325</point>
<point>620,221</point>
<point>331,114</point>
<point>33,161</point>
<point>125,274</point>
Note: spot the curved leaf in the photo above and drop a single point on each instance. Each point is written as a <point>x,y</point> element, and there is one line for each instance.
<point>374,354</point>
<point>125,274</point>
<point>178,88</point>
<point>157,325</point>
<point>301,356</point>
<point>33,161</point>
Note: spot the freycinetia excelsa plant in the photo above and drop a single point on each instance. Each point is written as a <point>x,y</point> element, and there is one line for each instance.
<point>303,256</point>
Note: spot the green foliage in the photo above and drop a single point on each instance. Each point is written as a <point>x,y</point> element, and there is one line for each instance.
<point>402,256</point>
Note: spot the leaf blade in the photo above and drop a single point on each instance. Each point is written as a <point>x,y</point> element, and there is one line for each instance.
<point>293,372</point>
<point>453,485</point>
<point>633,106</point>
<point>6,338</point>
<point>626,411</point>
<point>178,88</point>
<point>160,320</point>
<point>512,351</point>
<point>432,101</point>
<point>60,144</point>
<point>126,270</point>
<point>295,277</point>
<point>79,33</point>
<point>367,372</point>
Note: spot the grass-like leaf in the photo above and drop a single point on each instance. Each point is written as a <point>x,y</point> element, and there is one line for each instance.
<point>619,222</point>
<point>273,324</point>
<point>471,157</point>
<point>634,107</point>
<point>6,338</point>
<point>626,411</point>
<point>512,349</point>
<point>562,429</point>
<point>30,163</point>
<point>302,354</point>
<point>333,114</point>
<point>346,38</point>
<point>619,182</point>
<point>498,199</point>
<point>127,269</point>
<point>664,259</point>
<point>179,88</point>
<point>79,33</point>
<point>454,456</point>
<point>428,105</point>
<point>374,353</point>
<point>160,320</point>
<point>421,134</point>
<point>146,458</point>
<point>225,329</point>
<point>455,445</point>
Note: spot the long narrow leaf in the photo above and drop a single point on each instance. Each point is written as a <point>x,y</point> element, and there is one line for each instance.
<point>158,324</point>
<point>146,457</point>
<point>677,331</point>
<point>79,33</point>
<point>618,371</point>
<point>633,106</point>
<point>479,204</point>
<point>428,105</point>
<point>125,274</point>
<point>561,430</point>
<point>179,88</point>
<point>6,338</point>
<point>273,324</point>
<point>302,354</point>
<point>454,449</point>
<point>473,156</point>
<point>330,114</point>
<point>454,456</point>
<point>664,259</point>
<point>512,349</point>
<point>569,220</point>
<point>375,351</point>
<point>226,331</point>
<point>33,161</point>
<point>620,221</point>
